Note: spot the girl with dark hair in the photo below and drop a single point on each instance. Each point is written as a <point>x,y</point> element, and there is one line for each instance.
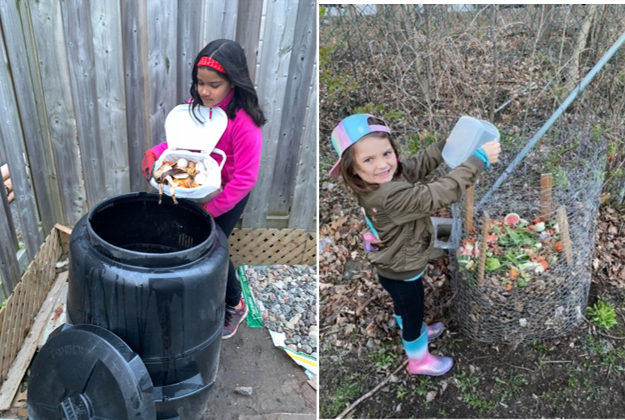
<point>221,79</point>
<point>397,205</point>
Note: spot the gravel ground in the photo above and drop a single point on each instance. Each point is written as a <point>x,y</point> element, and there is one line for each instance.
<point>287,299</point>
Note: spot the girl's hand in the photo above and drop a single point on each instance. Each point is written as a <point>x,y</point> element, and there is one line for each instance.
<point>492,149</point>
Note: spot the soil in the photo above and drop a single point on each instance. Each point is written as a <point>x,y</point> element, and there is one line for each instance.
<point>249,359</point>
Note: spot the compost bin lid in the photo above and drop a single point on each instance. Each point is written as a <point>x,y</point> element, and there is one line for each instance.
<point>184,131</point>
<point>85,372</point>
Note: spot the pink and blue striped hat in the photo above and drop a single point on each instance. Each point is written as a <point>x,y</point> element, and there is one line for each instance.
<point>350,130</point>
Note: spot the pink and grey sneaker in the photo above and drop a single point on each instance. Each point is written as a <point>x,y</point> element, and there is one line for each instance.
<point>233,319</point>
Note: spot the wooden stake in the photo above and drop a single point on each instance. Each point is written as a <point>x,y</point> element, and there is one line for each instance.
<point>567,246</point>
<point>546,183</point>
<point>469,209</point>
<point>483,248</point>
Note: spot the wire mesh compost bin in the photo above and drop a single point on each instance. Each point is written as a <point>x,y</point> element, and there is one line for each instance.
<point>146,296</point>
<point>523,264</point>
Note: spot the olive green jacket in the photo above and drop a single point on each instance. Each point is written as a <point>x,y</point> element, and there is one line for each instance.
<point>400,211</point>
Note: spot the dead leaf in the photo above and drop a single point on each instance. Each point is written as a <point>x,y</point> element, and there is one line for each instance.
<point>429,397</point>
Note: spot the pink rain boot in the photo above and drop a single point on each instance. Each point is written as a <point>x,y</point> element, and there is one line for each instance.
<point>434,331</point>
<point>421,362</point>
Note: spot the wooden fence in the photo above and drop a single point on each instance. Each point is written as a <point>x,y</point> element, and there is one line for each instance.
<point>85,88</point>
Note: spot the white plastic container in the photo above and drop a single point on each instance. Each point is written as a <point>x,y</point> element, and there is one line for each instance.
<point>189,139</point>
<point>468,135</point>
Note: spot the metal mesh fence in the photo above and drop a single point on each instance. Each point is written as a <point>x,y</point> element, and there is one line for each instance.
<point>421,67</point>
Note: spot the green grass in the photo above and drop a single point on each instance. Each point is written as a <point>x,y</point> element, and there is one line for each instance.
<point>342,395</point>
<point>468,385</point>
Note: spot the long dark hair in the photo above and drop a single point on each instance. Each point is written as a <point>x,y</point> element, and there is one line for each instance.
<point>231,56</point>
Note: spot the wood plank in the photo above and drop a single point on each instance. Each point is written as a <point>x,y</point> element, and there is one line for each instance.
<point>111,97</point>
<point>546,183</point>
<point>275,59</point>
<point>135,40</point>
<point>38,151</point>
<point>41,114</point>
<point>191,22</point>
<point>82,74</point>
<point>161,65</point>
<point>49,39</point>
<point>469,209</point>
<point>483,248</point>
<point>9,265</point>
<point>58,316</point>
<point>304,204</point>
<point>248,31</point>
<point>221,20</point>
<point>63,229</point>
<point>13,139</point>
<point>22,361</point>
<point>296,97</point>
<point>563,224</point>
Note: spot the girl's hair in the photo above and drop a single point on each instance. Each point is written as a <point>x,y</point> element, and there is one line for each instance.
<point>231,56</point>
<point>348,167</point>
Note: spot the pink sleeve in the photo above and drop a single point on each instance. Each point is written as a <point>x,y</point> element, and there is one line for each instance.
<point>247,144</point>
<point>159,149</point>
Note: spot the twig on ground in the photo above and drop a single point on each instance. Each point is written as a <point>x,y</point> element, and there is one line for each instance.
<point>370,393</point>
<point>604,334</point>
<point>521,367</point>
<point>558,361</point>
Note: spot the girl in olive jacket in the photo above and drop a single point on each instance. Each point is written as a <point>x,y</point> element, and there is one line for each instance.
<point>397,209</point>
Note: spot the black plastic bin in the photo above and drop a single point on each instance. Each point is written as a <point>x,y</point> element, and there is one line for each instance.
<point>155,276</point>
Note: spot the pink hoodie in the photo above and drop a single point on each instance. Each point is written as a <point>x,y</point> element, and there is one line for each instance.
<point>242,143</point>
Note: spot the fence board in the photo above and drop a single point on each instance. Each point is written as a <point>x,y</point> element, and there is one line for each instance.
<point>13,140</point>
<point>110,94</point>
<point>9,266</point>
<point>190,42</point>
<point>79,35</point>
<point>297,92</point>
<point>304,205</point>
<point>50,42</point>
<point>248,31</point>
<point>46,190</point>
<point>221,20</point>
<point>42,116</point>
<point>161,65</point>
<point>134,17</point>
<point>274,65</point>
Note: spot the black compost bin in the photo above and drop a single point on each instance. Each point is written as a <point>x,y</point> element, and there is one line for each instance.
<point>155,276</point>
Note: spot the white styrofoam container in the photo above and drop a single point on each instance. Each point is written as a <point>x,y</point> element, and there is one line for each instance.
<point>468,135</point>
<point>188,138</point>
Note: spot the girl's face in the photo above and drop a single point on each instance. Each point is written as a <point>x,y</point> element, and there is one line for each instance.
<point>212,86</point>
<point>374,160</point>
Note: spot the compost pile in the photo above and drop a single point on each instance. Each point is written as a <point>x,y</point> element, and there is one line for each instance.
<point>527,275</point>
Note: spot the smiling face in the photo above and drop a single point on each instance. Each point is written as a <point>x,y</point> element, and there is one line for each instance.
<point>212,86</point>
<point>375,160</point>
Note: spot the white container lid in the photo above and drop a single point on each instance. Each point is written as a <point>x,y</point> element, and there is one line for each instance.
<point>183,131</point>
<point>467,136</point>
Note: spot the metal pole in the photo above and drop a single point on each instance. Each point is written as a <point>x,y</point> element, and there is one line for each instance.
<point>576,91</point>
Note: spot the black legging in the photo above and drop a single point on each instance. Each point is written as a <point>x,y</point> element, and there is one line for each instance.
<point>226,222</point>
<point>408,302</point>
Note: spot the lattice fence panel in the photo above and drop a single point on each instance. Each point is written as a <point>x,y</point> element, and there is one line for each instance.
<point>271,246</point>
<point>22,306</point>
